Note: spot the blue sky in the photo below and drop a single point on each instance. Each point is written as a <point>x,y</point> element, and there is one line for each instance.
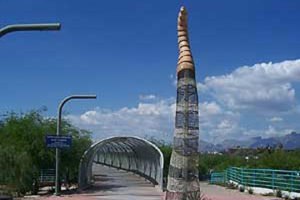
<point>126,53</point>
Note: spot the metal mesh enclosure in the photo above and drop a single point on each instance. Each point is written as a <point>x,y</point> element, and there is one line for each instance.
<point>183,180</point>
<point>128,153</point>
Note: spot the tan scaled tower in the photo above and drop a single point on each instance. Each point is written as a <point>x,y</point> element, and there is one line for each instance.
<point>183,183</point>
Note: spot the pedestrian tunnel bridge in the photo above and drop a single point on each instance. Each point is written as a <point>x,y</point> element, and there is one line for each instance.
<point>132,154</point>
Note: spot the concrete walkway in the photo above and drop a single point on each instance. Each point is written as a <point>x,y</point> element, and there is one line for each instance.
<point>113,184</point>
<point>215,192</point>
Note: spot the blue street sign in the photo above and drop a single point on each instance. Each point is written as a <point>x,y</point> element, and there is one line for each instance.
<point>54,141</point>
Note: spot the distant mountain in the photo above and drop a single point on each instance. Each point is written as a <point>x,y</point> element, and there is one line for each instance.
<point>264,142</point>
<point>231,143</point>
<point>289,142</point>
<point>209,147</point>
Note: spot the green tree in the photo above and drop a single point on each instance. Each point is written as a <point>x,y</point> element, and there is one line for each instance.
<point>167,151</point>
<point>23,153</point>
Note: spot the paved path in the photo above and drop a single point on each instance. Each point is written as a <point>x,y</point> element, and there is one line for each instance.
<point>113,184</point>
<point>215,192</point>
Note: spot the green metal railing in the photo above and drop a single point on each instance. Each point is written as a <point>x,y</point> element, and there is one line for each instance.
<point>265,178</point>
<point>47,176</point>
<point>217,178</point>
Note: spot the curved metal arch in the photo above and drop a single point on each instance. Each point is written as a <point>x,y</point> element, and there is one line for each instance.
<point>130,153</point>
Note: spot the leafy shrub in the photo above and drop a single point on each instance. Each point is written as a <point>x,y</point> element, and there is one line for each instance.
<point>23,153</point>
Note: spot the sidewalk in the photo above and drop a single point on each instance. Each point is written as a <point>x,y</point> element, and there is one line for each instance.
<point>215,192</point>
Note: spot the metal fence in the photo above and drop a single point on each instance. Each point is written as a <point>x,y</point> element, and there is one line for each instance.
<point>47,177</point>
<point>217,178</point>
<point>264,178</point>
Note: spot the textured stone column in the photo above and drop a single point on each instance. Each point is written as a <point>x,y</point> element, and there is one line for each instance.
<point>183,174</point>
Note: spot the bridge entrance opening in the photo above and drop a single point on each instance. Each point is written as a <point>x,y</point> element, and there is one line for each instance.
<point>131,154</point>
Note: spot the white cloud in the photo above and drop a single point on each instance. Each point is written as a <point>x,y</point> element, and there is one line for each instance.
<point>265,86</point>
<point>234,100</point>
<point>147,97</point>
<point>217,123</point>
<point>276,119</point>
<point>146,119</point>
<point>225,124</point>
<point>251,92</point>
<point>209,108</point>
<point>272,131</point>
<point>156,119</point>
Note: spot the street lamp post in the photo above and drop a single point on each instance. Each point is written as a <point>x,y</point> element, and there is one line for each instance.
<point>57,185</point>
<point>46,27</point>
<point>30,27</point>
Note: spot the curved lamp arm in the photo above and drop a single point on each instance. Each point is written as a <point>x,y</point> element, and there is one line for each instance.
<point>30,27</point>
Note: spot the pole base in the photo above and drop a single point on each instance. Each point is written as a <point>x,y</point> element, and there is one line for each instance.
<point>57,194</point>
